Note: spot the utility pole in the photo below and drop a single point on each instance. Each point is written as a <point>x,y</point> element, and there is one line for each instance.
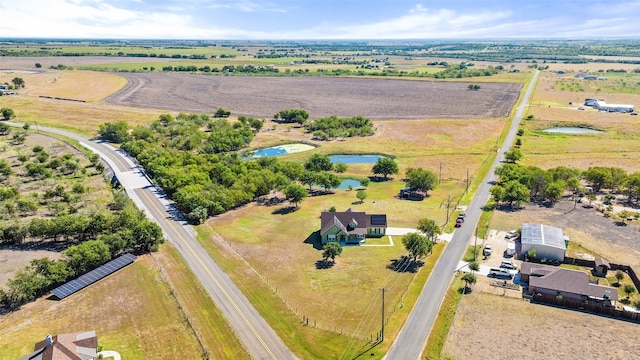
<point>382,332</point>
<point>467,181</point>
<point>475,245</point>
<point>448,204</point>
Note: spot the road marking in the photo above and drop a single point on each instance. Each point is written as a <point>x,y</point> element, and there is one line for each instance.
<point>233,303</point>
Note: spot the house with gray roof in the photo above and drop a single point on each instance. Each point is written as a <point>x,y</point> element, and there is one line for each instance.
<point>548,241</point>
<point>351,227</point>
<point>571,284</point>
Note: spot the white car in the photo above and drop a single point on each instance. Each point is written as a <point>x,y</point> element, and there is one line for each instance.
<point>511,234</point>
<point>487,250</point>
<point>508,265</point>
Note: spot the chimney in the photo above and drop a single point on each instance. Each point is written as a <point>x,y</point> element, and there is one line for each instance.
<point>48,340</point>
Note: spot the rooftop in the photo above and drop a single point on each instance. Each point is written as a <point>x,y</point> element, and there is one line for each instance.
<point>538,234</point>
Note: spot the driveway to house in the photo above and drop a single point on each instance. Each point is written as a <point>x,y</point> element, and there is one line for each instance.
<point>109,353</point>
<point>256,335</point>
<point>413,336</point>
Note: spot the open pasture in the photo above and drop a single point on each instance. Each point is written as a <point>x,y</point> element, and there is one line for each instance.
<point>550,107</point>
<point>132,311</point>
<point>264,96</point>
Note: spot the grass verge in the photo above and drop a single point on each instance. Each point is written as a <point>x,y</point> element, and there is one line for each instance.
<point>438,335</point>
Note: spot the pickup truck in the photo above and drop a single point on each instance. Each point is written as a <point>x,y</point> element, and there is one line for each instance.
<point>500,273</point>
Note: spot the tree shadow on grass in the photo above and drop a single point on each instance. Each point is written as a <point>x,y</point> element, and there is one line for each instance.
<point>314,239</point>
<point>405,264</point>
<point>284,210</point>
<point>324,264</point>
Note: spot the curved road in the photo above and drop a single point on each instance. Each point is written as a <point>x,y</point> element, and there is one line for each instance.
<point>257,336</point>
<point>413,336</point>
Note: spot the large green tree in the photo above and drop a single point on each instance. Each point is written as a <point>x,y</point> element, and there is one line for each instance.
<point>417,245</point>
<point>318,162</point>
<point>18,82</point>
<point>331,250</point>
<point>7,113</point>
<point>513,156</point>
<point>295,193</point>
<point>385,166</point>
<point>430,228</point>
<point>421,178</point>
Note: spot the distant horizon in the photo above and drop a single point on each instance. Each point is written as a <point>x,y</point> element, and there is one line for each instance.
<point>383,41</point>
<point>319,20</point>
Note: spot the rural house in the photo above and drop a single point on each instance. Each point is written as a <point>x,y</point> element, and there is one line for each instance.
<point>351,227</point>
<point>76,346</point>
<point>548,241</point>
<point>570,284</point>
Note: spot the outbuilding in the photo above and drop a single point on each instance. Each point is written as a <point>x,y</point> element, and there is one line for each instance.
<point>548,241</point>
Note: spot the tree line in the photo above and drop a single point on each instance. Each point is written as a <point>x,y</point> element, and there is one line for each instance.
<point>195,159</point>
<point>518,184</point>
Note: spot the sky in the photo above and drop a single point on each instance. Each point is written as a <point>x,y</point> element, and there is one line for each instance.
<point>319,19</point>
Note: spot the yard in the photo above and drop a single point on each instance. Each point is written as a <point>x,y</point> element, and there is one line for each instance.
<point>520,329</point>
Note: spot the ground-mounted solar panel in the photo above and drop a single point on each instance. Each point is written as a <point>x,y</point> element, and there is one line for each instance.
<point>92,276</point>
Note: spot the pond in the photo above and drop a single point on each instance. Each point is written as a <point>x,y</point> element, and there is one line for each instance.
<point>572,130</point>
<point>281,150</point>
<point>355,159</point>
<point>344,185</point>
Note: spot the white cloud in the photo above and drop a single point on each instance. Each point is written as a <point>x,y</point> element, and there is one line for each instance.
<point>173,19</point>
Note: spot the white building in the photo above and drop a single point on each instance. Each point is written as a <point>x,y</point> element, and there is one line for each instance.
<point>603,106</point>
<point>549,241</point>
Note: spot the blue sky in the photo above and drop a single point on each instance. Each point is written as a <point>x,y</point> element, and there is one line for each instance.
<point>319,19</point>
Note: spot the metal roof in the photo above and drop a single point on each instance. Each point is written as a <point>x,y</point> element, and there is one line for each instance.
<point>539,234</point>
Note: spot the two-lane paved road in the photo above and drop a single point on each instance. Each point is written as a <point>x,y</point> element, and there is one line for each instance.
<point>257,336</point>
<point>414,334</point>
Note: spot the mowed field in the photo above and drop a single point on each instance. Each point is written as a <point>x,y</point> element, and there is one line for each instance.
<point>321,96</point>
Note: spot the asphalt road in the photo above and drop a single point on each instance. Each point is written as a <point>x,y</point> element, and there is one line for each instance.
<point>413,336</point>
<point>257,336</point>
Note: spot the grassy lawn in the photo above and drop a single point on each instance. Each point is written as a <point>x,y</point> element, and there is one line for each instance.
<point>469,254</point>
<point>283,304</point>
<point>129,310</point>
<point>438,335</point>
<point>210,326</point>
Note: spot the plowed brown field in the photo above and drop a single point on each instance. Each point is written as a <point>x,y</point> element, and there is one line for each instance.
<point>321,96</point>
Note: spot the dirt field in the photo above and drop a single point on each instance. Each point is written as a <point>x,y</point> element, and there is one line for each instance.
<point>505,313</point>
<point>23,63</point>
<point>264,96</point>
<point>522,330</point>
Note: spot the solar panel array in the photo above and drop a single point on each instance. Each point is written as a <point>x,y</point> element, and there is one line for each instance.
<point>378,219</point>
<point>92,276</point>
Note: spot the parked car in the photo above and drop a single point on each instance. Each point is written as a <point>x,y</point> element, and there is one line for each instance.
<point>508,265</point>
<point>511,234</point>
<point>459,222</point>
<point>462,215</point>
<point>500,273</point>
<point>487,250</point>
